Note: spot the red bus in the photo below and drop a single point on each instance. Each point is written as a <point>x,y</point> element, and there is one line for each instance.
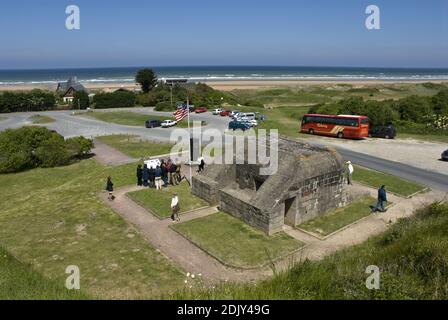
<point>342,126</point>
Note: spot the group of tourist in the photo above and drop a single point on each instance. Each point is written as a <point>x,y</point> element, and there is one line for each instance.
<point>165,174</point>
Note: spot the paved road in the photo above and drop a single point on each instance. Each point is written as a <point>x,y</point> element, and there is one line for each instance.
<point>69,126</point>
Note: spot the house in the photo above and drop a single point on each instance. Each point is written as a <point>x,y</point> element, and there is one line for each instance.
<point>69,88</point>
<point>308,183</point>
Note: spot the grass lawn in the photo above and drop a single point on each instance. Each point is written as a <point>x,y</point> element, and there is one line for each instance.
<point>394,184</point>
<point>18,281</point>
<point>159,201</point>
<point>129,118</point>
<point>339,218</point>
<point>53,218</point>
<point>412,256</point>
<point>135,147</point>
<point>234,242</point>
<point>41,119</point>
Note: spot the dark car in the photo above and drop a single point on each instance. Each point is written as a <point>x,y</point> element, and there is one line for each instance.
<point>387,132</point>
<point>153,123</point>
<point>234,125</point>
<point>445,155</point>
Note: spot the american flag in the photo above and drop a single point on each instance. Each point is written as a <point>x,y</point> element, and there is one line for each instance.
<point>181,114</point>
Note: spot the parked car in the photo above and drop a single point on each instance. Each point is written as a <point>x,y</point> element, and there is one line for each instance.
<point>168,123</point>
<point>200,110</point>
<point>251,122</point>
<point>217,111</point>
<point>225,113</point>
<point>387,132</point>
<point>234,114</point>
<point>235,125</point>
<point>445,155</point>
<point>153,123</point>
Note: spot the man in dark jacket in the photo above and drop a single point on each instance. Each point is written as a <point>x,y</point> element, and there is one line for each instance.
<point>145,176</point>
<point>382,198</point>
<point>152,177</point>
<point>139,175</point>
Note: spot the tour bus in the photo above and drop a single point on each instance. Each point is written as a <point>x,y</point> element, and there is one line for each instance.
<point>342,126</point>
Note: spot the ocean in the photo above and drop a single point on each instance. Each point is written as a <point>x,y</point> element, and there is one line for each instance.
<point>220,73</point>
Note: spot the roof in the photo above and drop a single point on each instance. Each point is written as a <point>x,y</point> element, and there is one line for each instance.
<point>72,82</point>
<point>334,115</point>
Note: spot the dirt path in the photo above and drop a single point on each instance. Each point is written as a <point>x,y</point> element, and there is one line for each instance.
<point>109,156</point>
<point>194,260</point>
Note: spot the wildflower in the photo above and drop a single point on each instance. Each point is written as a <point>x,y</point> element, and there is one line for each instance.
<point>188,274</point>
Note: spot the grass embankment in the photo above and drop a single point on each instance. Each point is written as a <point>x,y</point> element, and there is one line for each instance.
<point>424,137</point>
<point>129,118</point>
<point>37,119</point>
<point>19,281</point>
<point>159,201</point>
<point>53,218</point>
<point>394,184</point>
<point>135,147</point>
<point>412,257</point>
<point>333,221</point>
<point>234,242</point>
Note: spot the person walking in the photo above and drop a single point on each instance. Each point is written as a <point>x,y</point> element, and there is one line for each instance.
<point>139,175</point>
<point>350,171</point>
<point>110,188</point>
<point>175,207</point>
<point>382,198</point>
<point>145,175</point>
<point>158,178</point>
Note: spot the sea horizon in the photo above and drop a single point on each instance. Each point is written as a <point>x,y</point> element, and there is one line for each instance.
<point>221,73</point>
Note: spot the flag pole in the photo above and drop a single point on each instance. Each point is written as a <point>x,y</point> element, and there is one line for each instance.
<point>189,142</point>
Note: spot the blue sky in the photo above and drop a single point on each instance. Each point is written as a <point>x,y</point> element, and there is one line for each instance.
<point>233,32</point>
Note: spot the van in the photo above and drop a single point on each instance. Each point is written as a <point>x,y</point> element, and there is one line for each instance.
<point>247,115</point>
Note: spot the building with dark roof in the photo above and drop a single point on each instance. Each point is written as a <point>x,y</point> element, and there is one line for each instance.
<point>69,88</point>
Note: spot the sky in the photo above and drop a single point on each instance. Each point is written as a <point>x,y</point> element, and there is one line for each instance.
<point>414,33</point>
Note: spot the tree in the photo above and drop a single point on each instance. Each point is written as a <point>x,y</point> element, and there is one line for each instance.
<point>83,99</point>
<point>440,103</point>
<point>147,79</point>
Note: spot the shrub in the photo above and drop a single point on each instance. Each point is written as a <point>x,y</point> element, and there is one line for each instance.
<point>83,98</point>
<point>118,99</point>
<point>31,147</point>
<point>35,100</point>
<point>164,106</point>
<point>79,146</point>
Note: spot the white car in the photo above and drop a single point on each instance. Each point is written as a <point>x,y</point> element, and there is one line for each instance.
<point>168,123</point>
<point>251,122</point>
<point>216,111</point>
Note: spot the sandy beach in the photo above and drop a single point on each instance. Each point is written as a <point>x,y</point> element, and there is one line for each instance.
<point>227,85</point>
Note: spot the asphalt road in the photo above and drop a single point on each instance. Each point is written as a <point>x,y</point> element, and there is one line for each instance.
<point>70,126</point>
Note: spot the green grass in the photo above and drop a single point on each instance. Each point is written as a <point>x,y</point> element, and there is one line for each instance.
<point>339,218</point>
<point>18,281</point>
<point>394,184</point>
<point>136,147</point>
<point>42,215</point>
<point>234,242</point>
<point>412,257</point>
<point>129,118</point>
<point>424,137</point>
<point>159,201</point>
<point>37,119</point>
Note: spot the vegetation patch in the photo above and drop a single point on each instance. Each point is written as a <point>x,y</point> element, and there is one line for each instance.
<point>128,118</point>
<point>159,201</point>
<point>135,147</point>
<point>394,184</point>
<point>19,281</point>
<point>38,119</point>
<point>53,218</point>
<point>340,218</point>
<point>412,257</point>
<point>236,243</point>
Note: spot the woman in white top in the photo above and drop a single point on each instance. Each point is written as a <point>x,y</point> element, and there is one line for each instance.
<point>175,207</point>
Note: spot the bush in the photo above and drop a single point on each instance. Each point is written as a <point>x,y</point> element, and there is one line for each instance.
<point>79,146</point>
<point>31,147</point>
<point>164,106</point>
<point>118,99</point>
<point>35,100</point>
<point>83,98</point>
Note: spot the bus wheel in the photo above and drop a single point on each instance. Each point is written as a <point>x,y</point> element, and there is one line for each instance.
<point>340,135</point>
<point>311,131</point>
